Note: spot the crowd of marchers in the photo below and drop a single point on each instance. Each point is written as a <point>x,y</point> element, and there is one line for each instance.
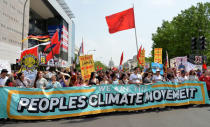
<point>73,78</point>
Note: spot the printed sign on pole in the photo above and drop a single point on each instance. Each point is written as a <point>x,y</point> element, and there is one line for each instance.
<point>86,65</point>
<point>198,59</point>
<point>142,57</point>
<point>158,55</point>
<point>156,66</point>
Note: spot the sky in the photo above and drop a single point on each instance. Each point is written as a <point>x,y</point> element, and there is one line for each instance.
<point>91,25</point>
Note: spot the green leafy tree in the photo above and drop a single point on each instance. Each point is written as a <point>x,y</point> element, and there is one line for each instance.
<point>175,36</point>
<point>100,64</point>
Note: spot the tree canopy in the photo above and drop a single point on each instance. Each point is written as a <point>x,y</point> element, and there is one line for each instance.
<point>175,36</point>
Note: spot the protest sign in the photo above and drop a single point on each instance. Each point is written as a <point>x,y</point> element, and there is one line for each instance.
<point>156,66</point>
<point>4,64</point>
<point>142,57</point>
<point>37,104</point>
<point>158,55</point>
<point>86,65</point>
<point>31,75</point>
<point>146,67</point>
<point>181,63</point>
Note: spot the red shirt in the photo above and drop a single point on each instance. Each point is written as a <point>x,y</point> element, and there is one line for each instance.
<point>207,80</point>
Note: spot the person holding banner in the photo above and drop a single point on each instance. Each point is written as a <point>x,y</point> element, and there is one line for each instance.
<point>171,78</point>
<point>192,76</point>
<point>11,81</point>
<point>182,76</point>
<point>123,79</point>
<point>40,82</point>
<point>22,81</point>
<point>157,77</point>
<point>206,78</point>
<point>135,78</point>
<point>93,80</point>
<point>80,81</point>
<point>115,79</point>
<point>3,77</point>
<point>104,80</point>
<point>147,78</point>
<point>53,83</point>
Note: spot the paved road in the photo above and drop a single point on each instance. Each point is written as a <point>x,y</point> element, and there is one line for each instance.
<point>190,117</point>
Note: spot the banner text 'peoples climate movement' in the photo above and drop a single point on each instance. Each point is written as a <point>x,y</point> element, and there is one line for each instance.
<point>35,104</point>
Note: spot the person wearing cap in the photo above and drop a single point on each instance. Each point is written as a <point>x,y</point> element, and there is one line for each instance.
<point>3,77</point>
<point>157,77</point>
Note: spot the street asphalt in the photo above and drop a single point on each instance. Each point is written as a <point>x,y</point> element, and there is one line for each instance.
<point>179,117</point>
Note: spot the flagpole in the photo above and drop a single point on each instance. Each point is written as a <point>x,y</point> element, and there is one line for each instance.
<point>135,31</point>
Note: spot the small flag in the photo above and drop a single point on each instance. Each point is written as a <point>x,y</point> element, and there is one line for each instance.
<point>54,41</point>
<point>139,55</point>
<point>44,38</point>
<point>121,59</point>
<point>121,21</point>
<point>55,50</point>
<point>204,66</point>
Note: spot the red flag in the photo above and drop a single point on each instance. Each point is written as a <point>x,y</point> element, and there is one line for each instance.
<point>121,59</point>
<point>121,21</point>
<point>32,51</point>
<point>54,41</point>
<point>139,55</point>
<point>55,50</point>
<point>204,66</point>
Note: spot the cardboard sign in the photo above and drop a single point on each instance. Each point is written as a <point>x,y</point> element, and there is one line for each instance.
<point>86,65</point>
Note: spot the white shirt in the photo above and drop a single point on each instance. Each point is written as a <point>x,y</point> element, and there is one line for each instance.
<point>136,78</point>
<point>115,82</point>
<point>182,79</point>
<point>192,78</point>
<point>3,81</point>
<point>41,83</point>
<point>156,78</point>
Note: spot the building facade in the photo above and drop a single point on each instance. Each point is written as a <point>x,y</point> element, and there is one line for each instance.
<point>41,17</point>
<point>11,28</point>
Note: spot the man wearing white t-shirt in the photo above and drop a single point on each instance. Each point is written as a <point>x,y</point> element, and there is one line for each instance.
<point>3,77</point>
<point>135,78</point>
<point>157,77</point>
<point>182,77</point>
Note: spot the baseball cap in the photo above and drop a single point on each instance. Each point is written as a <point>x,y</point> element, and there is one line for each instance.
<point>4,70</point>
